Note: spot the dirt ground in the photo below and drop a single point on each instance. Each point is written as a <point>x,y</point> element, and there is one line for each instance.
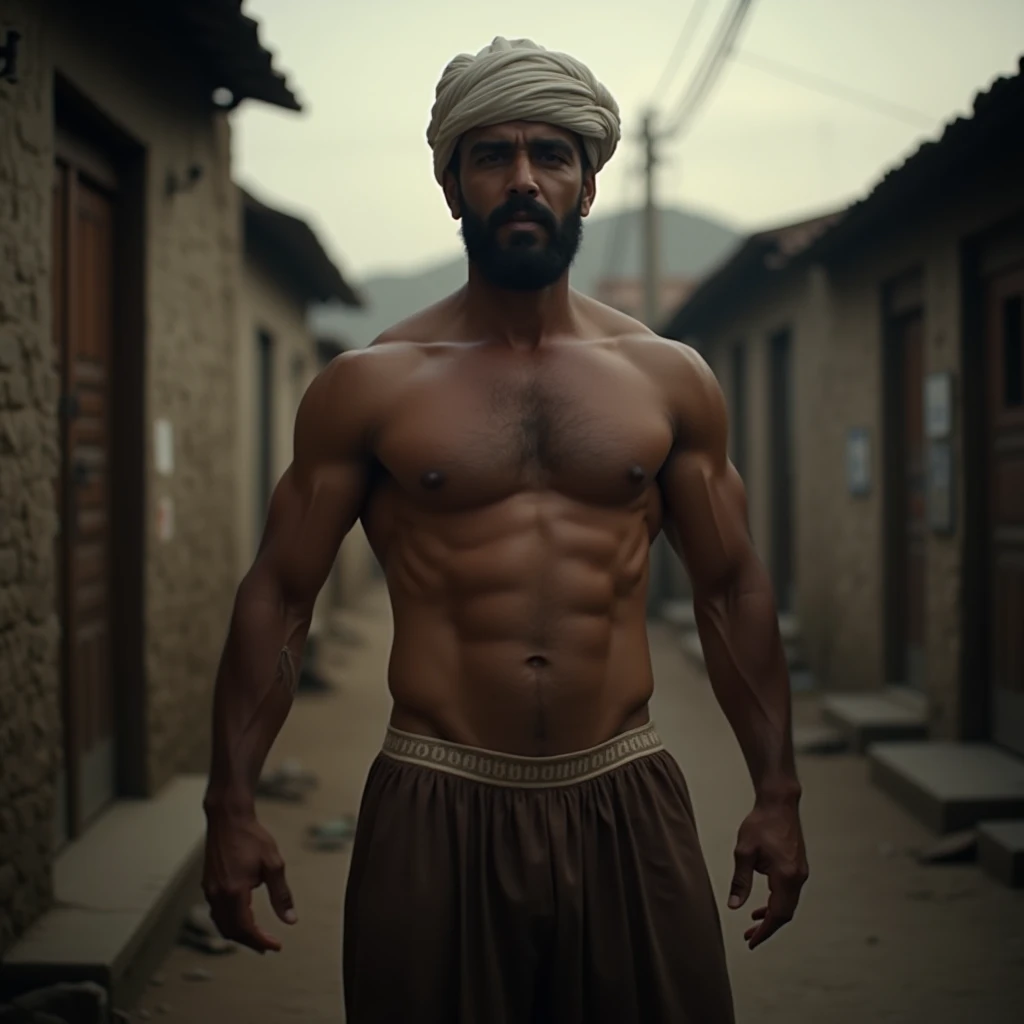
<point>877,938</point>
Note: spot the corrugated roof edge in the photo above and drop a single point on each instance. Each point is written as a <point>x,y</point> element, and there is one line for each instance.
<point>230,42</point>
<point>1001,101</point>
<point>313,271</point>
<point>758,255</point>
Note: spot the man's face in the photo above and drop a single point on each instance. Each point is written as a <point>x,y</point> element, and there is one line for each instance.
<point>521,193</point>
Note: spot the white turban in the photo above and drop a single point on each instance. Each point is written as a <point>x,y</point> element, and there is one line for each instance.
<point>517,80</point>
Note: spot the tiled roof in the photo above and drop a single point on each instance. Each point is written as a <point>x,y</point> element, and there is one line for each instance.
<point>932,170</point>
<point>228,46</point>
<point>756,260</point>
<point>289,247</point>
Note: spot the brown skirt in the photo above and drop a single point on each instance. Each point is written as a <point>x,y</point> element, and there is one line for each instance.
<point>492,889</point>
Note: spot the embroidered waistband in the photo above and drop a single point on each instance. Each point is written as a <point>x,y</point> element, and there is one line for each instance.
<point>521,772</point>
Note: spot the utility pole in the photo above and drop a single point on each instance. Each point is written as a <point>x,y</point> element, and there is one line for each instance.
<point>651,268</point>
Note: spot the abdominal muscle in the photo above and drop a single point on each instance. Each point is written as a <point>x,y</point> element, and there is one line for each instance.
<point>521,628</point>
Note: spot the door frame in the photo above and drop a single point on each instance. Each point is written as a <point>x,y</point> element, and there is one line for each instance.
<point>782,486</point>
<point>86,140</point>
<point>996,250</point>
<point>902,298</point>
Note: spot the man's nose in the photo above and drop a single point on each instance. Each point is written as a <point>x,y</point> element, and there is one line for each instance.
<point>522,182</point>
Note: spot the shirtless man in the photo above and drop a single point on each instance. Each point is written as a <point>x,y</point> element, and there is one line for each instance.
<point>526,848</point>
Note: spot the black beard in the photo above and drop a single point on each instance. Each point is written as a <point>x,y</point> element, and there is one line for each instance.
<point>525,264</point>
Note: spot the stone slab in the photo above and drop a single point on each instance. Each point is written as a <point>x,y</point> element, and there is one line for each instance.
<point>867,718</point>
<point>950,786</point>
<point>1001,850</point>
<point>789,628</point>
<point>818,739</point>
<point>126,880</point>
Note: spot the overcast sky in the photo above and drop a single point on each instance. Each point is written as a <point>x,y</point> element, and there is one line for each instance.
<point>357,166</point>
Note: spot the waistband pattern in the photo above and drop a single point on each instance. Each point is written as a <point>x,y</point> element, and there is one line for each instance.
<point>517,771</point>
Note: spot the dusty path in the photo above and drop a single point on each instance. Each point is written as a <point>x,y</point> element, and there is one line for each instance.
<point>878,938</point>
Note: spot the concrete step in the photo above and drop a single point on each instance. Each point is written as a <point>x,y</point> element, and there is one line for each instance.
<point>818,739</point>
<point>1001,850</point>
<point>950,786</point>
<point>866,718</point>
<point>789,627</point>
<point>121,892</point>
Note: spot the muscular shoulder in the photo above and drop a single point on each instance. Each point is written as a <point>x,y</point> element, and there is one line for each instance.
<point>349,398</point>
<point>689,388</point>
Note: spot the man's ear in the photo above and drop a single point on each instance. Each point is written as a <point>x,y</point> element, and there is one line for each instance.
<point>453,195</point>
<point>589,191</point>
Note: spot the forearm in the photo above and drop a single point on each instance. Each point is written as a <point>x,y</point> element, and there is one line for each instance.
<point>747,666</point>
<point>254,690</point>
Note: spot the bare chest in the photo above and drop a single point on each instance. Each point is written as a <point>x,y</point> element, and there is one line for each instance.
<point>474,434</point>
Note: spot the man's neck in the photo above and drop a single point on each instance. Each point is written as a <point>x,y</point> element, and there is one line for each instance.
<point>518,319</point>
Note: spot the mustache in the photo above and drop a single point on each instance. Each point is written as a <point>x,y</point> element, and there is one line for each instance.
<point>522,205</point>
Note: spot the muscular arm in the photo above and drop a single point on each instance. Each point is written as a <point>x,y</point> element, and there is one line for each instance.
<point>706,522</point>
<point>315,504</point>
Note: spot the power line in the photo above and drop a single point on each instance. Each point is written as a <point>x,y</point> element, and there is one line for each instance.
<point>686,37</point>
<point>708,72</point>
<point>837,90</point>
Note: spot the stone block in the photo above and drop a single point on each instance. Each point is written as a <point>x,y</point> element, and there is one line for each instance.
<point>8,882</point>
<point>12,607</point>
<point>8,566</point>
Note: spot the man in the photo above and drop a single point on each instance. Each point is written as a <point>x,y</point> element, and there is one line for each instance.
<point>526,849</point>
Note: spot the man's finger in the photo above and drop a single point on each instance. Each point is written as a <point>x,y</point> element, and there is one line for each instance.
<point>782,901</point>
<point>280,895</point>
<point>234,918</point>
<point>743,877</point>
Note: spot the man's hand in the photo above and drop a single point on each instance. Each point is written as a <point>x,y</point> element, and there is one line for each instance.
<point>240,856</point>
<point>770,842</point>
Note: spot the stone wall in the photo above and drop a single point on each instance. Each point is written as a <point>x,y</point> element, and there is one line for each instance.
<point>837,553</point>
<point>837,319</point>
<point>935,246</point>
<point>270,307</point>
<point>191,286</point>
<point>29,635</point>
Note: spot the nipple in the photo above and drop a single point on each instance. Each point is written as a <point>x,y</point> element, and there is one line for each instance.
<point>432,479</point>
<point>636,473</point>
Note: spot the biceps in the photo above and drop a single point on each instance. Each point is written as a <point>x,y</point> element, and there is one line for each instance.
<point>706,509</point>
<point>306,523</point>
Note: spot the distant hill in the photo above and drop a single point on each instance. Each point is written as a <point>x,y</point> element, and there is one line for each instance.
<point>690,245</point>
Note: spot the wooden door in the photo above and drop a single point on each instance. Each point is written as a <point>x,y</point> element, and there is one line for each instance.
<point>782,469</point>
<point>265,426</point>
<point>1005,336</point>
<point>915,507</point>
<point>906,500</point>
<point>83,286</point>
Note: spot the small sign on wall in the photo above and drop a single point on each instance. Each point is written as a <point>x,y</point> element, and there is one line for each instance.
<point>165,519</point>
<point>858,462</point>
<point>940,486</point>
<point>938,406</point>
<point>163,442</point>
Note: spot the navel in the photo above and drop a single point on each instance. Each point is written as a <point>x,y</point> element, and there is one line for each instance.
<point>432,479</point>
